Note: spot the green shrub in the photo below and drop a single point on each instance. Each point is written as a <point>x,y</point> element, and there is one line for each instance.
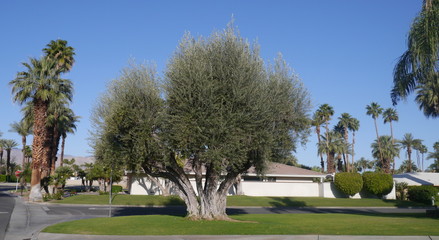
<point>422,194</point>
<point>401,190</point>
<point>2,178</point>
<point>349,183</point>
<point>11,178</point>
<point>116,189</point>
<point>377,183</point>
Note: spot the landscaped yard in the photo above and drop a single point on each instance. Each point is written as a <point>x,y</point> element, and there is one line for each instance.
<point>240,201</point>
<point>257,224</point>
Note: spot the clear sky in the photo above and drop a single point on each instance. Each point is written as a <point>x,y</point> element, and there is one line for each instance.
<point>343,50</point>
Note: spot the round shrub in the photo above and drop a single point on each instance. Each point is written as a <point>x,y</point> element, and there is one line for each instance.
<point>422,194</point>
<point>349,183</point>
<point>377,183</point>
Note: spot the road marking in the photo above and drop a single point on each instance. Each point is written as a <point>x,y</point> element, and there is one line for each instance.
<point>3,212</point>
<point>45,208</point>
<point>92,208</point>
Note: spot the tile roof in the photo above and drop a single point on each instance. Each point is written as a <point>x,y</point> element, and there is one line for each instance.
<point>283,169</point>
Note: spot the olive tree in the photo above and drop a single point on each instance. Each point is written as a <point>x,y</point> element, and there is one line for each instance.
<point>222,111</point>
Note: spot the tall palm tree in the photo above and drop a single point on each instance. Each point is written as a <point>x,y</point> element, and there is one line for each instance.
<point>63,54</point>
<point>391,115</point>
<point>417,68</point>
<point>347,123</point>
<point>40,84</point>
<point>8,144</point>
<point>24,129</point>
<point>435,156</point>
<point>408,142</point>
<point>355,125</point>
<point>326,112</point>
<point>1,151</point>
<point>316,122</point>
<point>375,110</point>
<point>387,151</point>
<point>67,125</point>
<point>331,145</point>
<point>422,150</point>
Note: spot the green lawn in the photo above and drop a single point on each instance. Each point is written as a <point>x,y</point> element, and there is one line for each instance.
<point>262,224</point>
<point>139,200</point>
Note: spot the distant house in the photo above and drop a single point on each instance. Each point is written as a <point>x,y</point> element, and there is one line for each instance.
<point>279,180</point>
<point>418,178</point>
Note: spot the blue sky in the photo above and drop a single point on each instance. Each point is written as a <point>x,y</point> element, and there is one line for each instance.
<point>343,50</point>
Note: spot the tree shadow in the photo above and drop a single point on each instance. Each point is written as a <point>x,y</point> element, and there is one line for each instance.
<point>286,202</point>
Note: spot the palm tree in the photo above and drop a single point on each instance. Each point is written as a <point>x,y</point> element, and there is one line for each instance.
<point>63,54</point>
<point>435,156</point>
<point>68,125</point>
<point>355,125</point>
<point>391,115</point>
<point>326,111</point>
<point>375,111</point>
<point>316,122</point>
<point>417,68</point>
<point>8,144</point>
<point>39,85</point>
<point>362,164</point>
<point>331,145</point>
<point>387,152</point>
<point>408,142</point>
<point>347,123</point>
<point>422,150</point>
<point>24,129</point>
<point>1,151</point>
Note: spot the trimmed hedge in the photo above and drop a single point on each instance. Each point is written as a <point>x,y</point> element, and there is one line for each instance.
<point>2,178</point>
<point>349,183</point>
<point>377,183</point>
<point>422,194</point>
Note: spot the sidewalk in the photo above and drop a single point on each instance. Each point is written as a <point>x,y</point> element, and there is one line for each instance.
<point>27,220</point>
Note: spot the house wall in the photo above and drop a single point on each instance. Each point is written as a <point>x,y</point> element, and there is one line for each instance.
<point>141,186</point>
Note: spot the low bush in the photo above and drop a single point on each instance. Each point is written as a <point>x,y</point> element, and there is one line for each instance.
<point>377,183</point>
<point>349,183</point>
<point>116,189</point>
<point>2,178</point>
<point>422,194</point>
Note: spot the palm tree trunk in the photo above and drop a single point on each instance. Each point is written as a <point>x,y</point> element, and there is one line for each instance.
<point>353,148</point>
<point>409,153</point>
<point>8,162</point>
<point>63,141</point>
<point>56,138</point>
<point>23,141</point>
<point>393,143</point>
<point>40,149</point>
<point>378,140</point>
<point>322,163</point>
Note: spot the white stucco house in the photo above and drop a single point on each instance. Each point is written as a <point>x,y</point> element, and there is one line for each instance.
<point>418,178</point>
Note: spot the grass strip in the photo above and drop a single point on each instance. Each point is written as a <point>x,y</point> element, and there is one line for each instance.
<point>141,200</point>
<point>262,224</point>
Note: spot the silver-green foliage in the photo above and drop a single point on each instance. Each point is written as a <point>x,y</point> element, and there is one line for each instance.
<point>222,111</point>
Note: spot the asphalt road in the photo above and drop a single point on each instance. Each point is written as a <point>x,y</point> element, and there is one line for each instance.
<point>7,203</point>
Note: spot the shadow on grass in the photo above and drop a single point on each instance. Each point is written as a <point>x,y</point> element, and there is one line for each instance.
<point>286,202</point>
<point>179,211</point>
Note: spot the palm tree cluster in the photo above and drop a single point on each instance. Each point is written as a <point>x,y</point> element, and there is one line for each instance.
<point>386,148</point>
<point>335,143</point>
<point>45,96</point>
